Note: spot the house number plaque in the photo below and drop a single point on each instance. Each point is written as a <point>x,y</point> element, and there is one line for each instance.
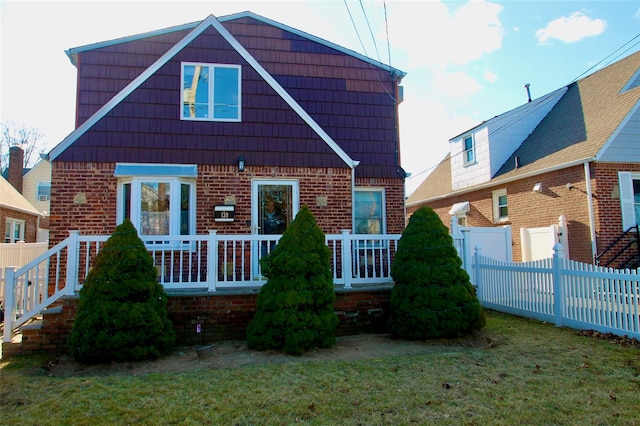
<point>224,213</point>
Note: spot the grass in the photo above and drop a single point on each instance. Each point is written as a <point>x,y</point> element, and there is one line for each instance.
<point>533,373</point>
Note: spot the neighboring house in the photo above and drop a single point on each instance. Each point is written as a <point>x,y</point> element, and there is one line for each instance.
<point>234,112</point>
<point>574,153</point>
<point>17,216</point>
<point>36,188</point>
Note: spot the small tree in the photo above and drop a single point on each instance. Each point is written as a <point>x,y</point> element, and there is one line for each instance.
<point>432,296</point>
<point>122,312</point>
<point>295,306</point>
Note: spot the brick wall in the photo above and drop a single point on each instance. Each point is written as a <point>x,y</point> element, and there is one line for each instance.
<point>84,197</point>
<point>30,228</point>
<point>222,317</point>
<point>531,209</point>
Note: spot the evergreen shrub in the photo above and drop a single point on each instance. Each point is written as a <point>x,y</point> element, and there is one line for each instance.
<point>295,305</point>
<point>122,312</point>
<point>433,296</point>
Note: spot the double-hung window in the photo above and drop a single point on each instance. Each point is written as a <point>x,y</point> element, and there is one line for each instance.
<point>369,211</point>
<point>468,150</point>
<point>629,184</point>
<point>158,199</point>
<point>14,230</point>
<point>211,92</point>
<point>44,191</point>
<point>500,210</point>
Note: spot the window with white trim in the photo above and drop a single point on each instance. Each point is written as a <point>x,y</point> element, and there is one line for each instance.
<point>44,191</point>
<point>14,230</point>
<point>468,152</point>
<point>369,216</point>
<point>211,92</point>
<point>629,184</point>
<point>157,202</point>
<point>500,208</point>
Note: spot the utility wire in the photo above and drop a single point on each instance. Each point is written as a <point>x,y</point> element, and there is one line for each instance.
<point>370,31</point>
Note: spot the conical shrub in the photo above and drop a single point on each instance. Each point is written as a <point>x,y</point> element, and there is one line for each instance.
<point>122,312</point>
<point>295,306</point>
<point>432,296</point>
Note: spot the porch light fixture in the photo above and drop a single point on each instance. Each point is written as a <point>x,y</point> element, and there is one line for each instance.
<point>537,187</point>
<point>241,163</point>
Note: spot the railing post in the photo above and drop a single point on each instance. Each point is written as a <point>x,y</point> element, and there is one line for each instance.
<point>558,291</point>
<point>9,302</point>
<point>212,260</point>
<point>73,251</point>
<point>476,272</point>
<point>347,272</point>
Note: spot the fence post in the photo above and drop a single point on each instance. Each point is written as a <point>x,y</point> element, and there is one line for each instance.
<point>72,263</point>
<point>212,260</point>
<point>9,302</point>
<point>476,272</point>
<point>558,290</point>
<point>347,273</point>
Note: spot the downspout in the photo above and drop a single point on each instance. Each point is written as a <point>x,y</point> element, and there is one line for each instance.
<point>353,195</point>
<point>592,221</point>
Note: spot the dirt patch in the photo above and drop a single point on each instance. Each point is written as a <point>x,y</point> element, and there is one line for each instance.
<point>231,354</point>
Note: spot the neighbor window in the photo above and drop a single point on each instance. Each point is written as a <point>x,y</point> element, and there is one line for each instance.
<point>369,211</point>
<point>629,184</point>
<point>211,92</point>
<point>468,151</point>
<point>157,203</point>
<point>500,211</point>
<point>14,230</point>
<point>44,191</point>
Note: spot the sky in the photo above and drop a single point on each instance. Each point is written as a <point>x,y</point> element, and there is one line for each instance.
<point>466,62</point>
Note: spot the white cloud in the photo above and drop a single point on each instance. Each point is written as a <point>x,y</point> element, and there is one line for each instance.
<point>571,29</point>
<point>490,76</point>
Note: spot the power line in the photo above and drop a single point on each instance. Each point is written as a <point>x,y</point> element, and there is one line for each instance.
<point>375,45</point>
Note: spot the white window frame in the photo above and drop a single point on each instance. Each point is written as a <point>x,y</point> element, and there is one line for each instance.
<point>45,197</point>
<point>465,160</point>
<point>383,210</point>
<point>211,94</point>
<point>495,197</point>
<point>628,205</point>
<point>174,207</point>
<point>11,226</point>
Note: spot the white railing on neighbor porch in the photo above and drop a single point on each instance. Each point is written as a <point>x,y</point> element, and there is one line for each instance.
<point>16,255</point>
<point>562,291</point>
<point>206,263</point>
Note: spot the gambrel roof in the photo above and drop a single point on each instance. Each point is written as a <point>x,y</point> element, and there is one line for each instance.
<point>329,122</point>
<point>587,124</point>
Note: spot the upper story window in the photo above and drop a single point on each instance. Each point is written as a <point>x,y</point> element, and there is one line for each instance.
<point>211,92</point>
<point>369,211</point>
<point>500,210</point>
<point>468,150</point>
<point>44,191</point>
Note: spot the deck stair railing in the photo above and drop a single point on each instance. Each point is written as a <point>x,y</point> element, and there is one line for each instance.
<point>205,263</point>
<point>630,249</point>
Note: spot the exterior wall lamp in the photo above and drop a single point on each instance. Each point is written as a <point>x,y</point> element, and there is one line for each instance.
<point>241,163</point>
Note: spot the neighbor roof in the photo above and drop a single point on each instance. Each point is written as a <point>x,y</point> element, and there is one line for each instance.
<point>574,132</point>
<point>11,199</point>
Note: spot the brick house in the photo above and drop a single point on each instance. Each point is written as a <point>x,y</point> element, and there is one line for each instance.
<point>233,111</point>
<point>574,152</point>
<point>226,127</point>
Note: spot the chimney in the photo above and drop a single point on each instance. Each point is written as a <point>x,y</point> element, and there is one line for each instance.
<point>16,167</point>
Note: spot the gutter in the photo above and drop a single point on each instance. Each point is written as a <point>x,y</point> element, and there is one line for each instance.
<point>493,183</point>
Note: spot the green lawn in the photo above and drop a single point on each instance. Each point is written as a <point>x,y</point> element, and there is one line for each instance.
<point>533,373</point>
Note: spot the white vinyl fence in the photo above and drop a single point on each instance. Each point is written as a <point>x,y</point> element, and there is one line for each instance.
<point>562,291</point>
<point>17,255</point>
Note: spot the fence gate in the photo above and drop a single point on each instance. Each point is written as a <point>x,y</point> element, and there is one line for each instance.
<point>494,242</point>
<point>538,243</point>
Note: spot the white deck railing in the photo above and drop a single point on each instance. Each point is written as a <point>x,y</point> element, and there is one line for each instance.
<point>562,291</point>
<point>206,263</point>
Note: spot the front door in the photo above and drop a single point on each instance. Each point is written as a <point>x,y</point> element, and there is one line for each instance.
<point>274,205</point>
